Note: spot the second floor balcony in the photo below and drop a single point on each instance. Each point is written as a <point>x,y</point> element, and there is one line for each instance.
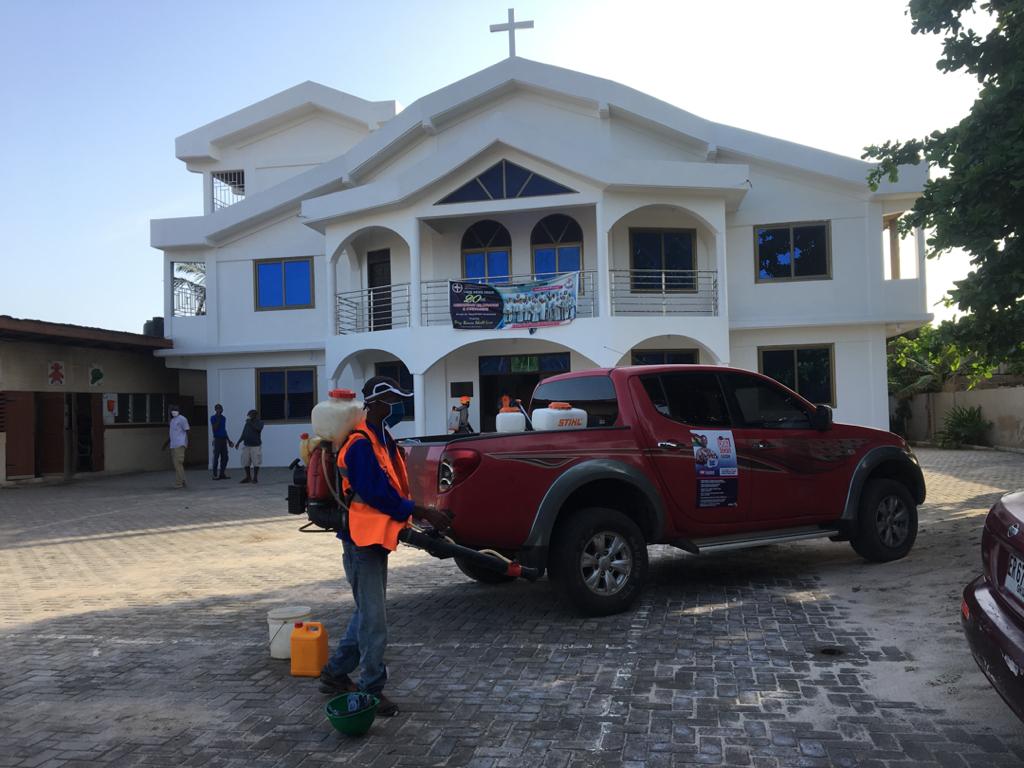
<point>633,292</point>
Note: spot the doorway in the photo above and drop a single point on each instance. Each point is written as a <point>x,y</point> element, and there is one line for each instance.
<point>516,376</point>
<point>378,281</point>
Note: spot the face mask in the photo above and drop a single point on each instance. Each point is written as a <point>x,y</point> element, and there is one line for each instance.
<point>396,415</point>
<point>174,414</point>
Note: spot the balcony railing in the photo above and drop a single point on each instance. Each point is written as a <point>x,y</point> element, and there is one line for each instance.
<point>647,292</point>
<point>372,309</point>
<point>435,298</point>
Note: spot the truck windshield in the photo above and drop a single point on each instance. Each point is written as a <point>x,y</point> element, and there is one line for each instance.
<point>594,394</point>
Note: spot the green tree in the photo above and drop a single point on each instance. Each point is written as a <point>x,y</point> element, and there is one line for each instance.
<point>978,204</point>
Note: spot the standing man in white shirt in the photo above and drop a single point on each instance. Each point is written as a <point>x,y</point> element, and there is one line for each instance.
<point>177,439</point>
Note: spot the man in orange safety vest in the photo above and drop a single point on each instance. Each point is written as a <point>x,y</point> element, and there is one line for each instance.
<point>374,478</point>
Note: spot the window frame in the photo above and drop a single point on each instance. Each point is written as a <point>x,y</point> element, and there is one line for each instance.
<point>791,225</point>
<point>256,284</point>
<point>660,377</point>
<point>830,346</point>
<point>556,246</point>
<point>692,231</point>
<point>284,369</point>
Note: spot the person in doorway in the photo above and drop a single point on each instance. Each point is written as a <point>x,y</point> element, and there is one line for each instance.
<point>251,446</point>
<point>177,441</point>
<point>462,426</point>
<point>373,476</point>
<point>221,442</point>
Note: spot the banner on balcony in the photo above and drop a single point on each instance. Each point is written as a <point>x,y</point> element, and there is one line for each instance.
<point>537,304</point>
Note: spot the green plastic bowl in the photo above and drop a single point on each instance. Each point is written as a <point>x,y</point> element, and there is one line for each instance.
<point>352,713</point>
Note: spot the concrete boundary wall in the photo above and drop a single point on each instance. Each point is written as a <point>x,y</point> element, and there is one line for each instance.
<point>1004,407</point>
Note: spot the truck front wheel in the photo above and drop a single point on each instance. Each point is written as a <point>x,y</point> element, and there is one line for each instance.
<point>598,561</point>
<point>887,524</point>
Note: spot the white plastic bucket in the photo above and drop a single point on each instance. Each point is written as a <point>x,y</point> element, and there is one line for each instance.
<point>510,422</point>
<point>280,622</point>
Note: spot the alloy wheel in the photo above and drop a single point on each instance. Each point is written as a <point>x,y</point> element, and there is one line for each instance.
<point>606,563</point>
<point>892,521</point>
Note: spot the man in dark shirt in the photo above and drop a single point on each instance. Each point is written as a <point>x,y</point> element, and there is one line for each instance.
<point>221,442</point>
<point>373,473</point>
<point>251,445</point>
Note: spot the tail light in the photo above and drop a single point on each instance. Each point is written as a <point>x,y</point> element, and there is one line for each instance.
<point>456,466</point>
<point>965,610</point>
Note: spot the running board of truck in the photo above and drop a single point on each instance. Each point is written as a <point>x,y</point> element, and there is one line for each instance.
<point>753,539</point>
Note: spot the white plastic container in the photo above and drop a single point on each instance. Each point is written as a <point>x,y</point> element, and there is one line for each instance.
<point>510,420</point>
<point>280,621</point>
<point>334,418</point>
<point>558,416</point>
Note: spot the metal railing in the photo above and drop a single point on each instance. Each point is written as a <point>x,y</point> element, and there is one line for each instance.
<point>434,298</point>
<point>372,309</point>
<point>664,292</point>
<point>189,298</point>
<point>228,188</point>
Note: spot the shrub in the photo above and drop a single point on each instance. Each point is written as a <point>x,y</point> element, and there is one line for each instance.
<point>963,426</point>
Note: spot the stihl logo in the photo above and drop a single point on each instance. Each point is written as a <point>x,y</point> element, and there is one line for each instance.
<point>570,422</point>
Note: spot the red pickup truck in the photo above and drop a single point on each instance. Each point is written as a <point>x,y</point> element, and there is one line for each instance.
<point>704,458</point>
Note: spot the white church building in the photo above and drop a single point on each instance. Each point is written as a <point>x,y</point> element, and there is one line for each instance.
<point>332,226</point>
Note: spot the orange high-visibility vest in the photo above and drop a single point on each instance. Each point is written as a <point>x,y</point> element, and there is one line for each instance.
<point>368,525</point>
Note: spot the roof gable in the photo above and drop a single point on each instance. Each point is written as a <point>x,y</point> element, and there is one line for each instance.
<point>204,143</point>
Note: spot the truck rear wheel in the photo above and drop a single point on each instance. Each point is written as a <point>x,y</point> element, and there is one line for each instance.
<point>887,522</point>
<point>484,576</point>
<point>598,561</point>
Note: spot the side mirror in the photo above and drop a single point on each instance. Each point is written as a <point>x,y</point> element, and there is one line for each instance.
<point>821,420</point>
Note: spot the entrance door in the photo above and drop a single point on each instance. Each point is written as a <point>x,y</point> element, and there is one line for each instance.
<point>51,427</point>
<point>378,280</point>
<point>20,423</point>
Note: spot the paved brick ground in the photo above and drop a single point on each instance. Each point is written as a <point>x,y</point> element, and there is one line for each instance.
<point>132,632</point>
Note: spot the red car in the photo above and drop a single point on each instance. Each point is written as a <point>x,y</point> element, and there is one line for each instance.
<point>704,458</point>
<point>992,612</point>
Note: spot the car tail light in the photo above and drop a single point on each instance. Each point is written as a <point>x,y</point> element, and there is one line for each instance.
<point>964,610</point>
<point>456,466</point>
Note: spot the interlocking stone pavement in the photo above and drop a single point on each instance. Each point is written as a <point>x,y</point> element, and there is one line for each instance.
<point>133,633</point>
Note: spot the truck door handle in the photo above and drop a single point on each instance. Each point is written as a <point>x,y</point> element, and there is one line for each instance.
<point>669,445</point>
<point>762,444</point>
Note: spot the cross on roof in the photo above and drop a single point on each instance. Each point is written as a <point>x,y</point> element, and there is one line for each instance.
<point>511,28</point>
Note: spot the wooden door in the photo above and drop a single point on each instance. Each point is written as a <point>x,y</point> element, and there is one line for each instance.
<point>378,280</point>
<point>20,424</point>
<point>51,426</point>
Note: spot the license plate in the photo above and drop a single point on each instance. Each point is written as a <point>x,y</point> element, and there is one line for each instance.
<point>1014,582</point>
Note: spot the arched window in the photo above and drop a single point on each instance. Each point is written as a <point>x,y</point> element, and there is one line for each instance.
<point>557,243</point>
<point>487,252</point>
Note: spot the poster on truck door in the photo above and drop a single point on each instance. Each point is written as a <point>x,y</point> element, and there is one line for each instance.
<point>714,457</point>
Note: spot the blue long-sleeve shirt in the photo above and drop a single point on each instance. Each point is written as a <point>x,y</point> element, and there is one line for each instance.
<point>370,481</point>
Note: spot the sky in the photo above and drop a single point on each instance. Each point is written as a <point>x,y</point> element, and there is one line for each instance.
<point>94,92</point>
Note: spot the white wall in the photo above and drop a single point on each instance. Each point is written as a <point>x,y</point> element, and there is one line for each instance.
<point>231,381</point>
<point>860,372</point>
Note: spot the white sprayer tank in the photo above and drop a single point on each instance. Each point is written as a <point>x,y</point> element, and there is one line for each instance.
<point>334,418</point>
<point>510,420</point>
<point>558,416</point>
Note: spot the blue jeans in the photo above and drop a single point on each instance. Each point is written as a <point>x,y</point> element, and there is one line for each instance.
<point>366,569</point>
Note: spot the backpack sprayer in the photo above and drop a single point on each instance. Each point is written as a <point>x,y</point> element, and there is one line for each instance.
<point>315,490</point>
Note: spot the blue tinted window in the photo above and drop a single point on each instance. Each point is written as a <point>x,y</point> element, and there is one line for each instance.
<point>475,266</point>
<point>569,258</point>
<point>773,253</point>
<point>554,362</point>
<point>270,285</point>
<point>271,395</point>
<point>544,262</point>
<point>497,266</point>
<point>297,283</point>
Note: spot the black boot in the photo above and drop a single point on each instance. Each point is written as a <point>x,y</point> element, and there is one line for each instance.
<point>248,476</point>
<point>255,474</point>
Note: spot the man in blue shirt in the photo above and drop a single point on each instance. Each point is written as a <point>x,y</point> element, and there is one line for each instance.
<point>221,443</point>
<point>373,474</point>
